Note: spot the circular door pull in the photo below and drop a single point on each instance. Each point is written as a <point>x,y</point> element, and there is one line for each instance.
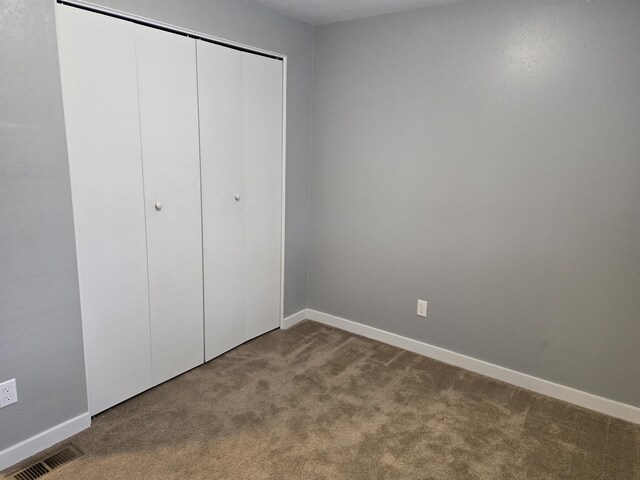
<point>237,197</point>
<point>158,206</point>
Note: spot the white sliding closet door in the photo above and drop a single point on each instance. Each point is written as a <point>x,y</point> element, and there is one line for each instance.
<point>168,97</point>
<point>98,67</point>
<point>240,97</point>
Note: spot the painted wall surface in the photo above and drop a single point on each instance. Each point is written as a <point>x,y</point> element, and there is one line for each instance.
<point>40,328</point>
<point>246,22</point>
<point>485,156</point>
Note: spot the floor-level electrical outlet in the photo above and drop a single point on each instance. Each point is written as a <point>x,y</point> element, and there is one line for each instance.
<point>8,393</point>
<point>422,308</point>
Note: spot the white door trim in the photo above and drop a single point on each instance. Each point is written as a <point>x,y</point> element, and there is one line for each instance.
<point>529,382</point>
<point>284,185</point>
<point>167,26</point>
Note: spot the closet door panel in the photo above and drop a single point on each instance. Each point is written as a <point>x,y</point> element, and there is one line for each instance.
<point>220,78</point>
<point>240,96</point>
<point>98,68</point>
<point>263,184</point>
<point>168,97</point>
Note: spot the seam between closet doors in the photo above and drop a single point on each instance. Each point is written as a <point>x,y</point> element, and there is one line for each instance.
<point>144,201</point>
<point>204,326</point>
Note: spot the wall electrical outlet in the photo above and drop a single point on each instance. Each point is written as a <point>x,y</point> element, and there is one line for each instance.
<point>422,308</point>
<point>8,393</point>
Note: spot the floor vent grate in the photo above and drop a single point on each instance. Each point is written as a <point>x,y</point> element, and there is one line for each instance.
<point>32,472</point>
<point>53,461</point>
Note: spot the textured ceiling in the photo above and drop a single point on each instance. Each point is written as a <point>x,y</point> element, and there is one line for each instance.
<point>319,12</point>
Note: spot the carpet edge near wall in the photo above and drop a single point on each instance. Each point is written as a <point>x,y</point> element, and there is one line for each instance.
<point>558,391</point>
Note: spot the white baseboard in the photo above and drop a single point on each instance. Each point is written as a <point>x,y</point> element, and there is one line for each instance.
<point>545,387</point>
<point>293,319</point>
<point>42,441</point>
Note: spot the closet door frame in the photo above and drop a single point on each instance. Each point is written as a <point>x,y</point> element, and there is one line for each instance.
<point>86,5</point>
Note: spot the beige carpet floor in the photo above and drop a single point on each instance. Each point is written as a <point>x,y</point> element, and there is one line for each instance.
<point>318,403</point>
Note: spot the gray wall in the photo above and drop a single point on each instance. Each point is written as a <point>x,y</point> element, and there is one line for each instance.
<point>246,22</point>
<point>40,329</point>
<point>484,156</point>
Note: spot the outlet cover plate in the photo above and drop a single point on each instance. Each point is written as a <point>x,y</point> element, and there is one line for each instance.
<point>422,308</point>
<point>8,393</point>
